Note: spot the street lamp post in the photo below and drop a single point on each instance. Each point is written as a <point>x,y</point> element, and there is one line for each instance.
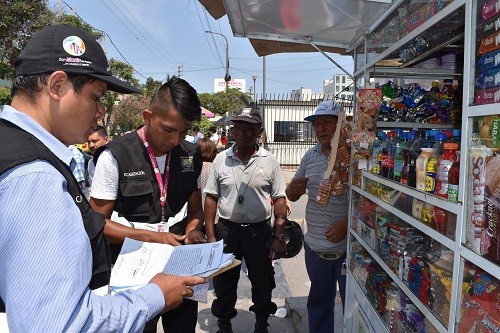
<point>227,77</point>
<point>254,77</point>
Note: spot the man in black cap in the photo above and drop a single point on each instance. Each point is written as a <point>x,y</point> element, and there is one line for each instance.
<point>52,249</point>
<point>243,181</point>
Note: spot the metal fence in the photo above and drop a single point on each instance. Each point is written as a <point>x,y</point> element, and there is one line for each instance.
<point>287,135</point>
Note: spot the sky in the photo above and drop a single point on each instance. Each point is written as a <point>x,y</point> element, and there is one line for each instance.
<point>157,37</point>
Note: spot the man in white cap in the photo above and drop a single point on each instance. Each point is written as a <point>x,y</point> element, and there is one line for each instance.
<point>52,248</point>
<point>325,242</point>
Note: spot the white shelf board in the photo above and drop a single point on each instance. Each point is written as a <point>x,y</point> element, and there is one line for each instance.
<point>480,261</point>
<point>453,207</point>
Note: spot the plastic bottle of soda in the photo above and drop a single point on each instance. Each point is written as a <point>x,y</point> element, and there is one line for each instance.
<point>448,88</point>
<point>445,162</point>
<point>435,87</point>
<point>398,155</point>
<point>406,157</point>
<point>385,161</point>
<point>453,178</point>
<point>376,147</point>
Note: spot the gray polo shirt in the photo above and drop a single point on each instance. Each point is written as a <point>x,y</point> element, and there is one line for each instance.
<point>258,181</point>
<point>319,218</point>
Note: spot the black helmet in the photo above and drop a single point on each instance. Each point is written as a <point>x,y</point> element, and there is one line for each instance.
<point>294,239</point>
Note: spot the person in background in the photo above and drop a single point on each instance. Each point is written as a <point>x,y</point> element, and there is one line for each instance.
<point>53,251</point>
<point>325,242</point>
<point>214,136</point>
<point>224,140</point>
<point>197,134</point>
<point>208,153</point>
<point>151,176</point>
<point>239,190</point>
<point>98,138</point>
<point>78,166</point>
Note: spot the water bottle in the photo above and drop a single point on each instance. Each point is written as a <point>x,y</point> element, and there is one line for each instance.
<point>439,140</point>
<point>406,157</point>
<point>414,153</point>
<point>393,146</point>
<point>376,147</point>
<point>398,157</point>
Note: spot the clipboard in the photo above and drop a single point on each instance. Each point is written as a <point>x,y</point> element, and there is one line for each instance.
<point>236,262</point>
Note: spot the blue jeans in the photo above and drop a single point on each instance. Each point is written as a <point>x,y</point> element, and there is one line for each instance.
<point>324,275</point>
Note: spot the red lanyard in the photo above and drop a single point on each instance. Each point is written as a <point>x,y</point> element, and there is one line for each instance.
<point>162,183</point>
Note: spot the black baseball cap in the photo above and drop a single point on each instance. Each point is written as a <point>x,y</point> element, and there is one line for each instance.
<point>70,49</point>
<point>249,115</point>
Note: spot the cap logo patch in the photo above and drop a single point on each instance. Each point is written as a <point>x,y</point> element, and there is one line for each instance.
<point>74,45</point>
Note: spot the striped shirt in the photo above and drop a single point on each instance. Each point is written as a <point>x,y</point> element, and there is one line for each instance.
<point>45,254</point>
<point>79,169</point>
<point>319,218</point>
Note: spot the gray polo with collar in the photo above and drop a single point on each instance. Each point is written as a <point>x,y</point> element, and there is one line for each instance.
<point>319,218</point>
<point>258,181</point>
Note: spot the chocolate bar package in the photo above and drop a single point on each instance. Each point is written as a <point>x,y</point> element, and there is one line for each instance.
<point>489,60</point>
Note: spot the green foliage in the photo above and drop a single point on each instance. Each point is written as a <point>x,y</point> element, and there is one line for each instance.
<point>223,102</point>
<point>204,124</point>
<point>4,96</point>
<point>75,21</point>
<point>150,87</point>
<point>20,19</point>
<point>127,113</point>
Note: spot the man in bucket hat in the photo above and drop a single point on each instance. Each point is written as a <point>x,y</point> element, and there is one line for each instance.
<point>325,242</point>
<point>52,249</point>
<point>242,181</point>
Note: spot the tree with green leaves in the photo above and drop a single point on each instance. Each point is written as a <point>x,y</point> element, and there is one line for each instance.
<point>20,19</point>
<point>230,102</point>
<point>127,114</point>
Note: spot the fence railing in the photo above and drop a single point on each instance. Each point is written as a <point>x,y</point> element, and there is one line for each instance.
<point>287,135</point>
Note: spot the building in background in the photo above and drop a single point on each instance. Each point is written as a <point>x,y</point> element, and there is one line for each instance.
<point>220,85</point>
<point>304,94</point>
<point>337,85</point>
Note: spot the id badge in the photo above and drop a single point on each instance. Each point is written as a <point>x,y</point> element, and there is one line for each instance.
<point>163,227</point>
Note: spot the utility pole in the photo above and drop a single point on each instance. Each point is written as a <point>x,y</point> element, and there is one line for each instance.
<point>227,77</point>
<point>179,70</point>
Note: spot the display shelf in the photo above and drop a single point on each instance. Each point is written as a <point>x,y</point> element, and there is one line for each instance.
<point>479,261</point>
<point>450,244</point>
<point>367,319</point>
<point>384,60</point>
<point>421,307</point>
<point>414,73</point>
<point>453,207</point>
<point>386,54</point>
<point>394,124</point>
<point>483,110</point>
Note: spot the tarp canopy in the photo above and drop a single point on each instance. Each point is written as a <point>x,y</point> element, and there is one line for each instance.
<point>207,112</point>
<point>292,25</point>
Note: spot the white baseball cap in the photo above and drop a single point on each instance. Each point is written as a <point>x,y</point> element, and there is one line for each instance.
<point>325,108</point>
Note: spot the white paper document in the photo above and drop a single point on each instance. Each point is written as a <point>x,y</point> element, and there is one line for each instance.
<point>139,262</point>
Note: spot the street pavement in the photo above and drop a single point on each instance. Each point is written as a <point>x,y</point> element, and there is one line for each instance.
<point>292,288</point>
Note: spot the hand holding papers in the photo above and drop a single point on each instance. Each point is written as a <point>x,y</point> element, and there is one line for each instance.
<point>139,261</point>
